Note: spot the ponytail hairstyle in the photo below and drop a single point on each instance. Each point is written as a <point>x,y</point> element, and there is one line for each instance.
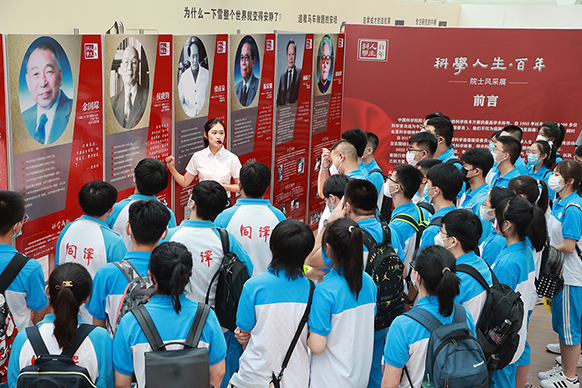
<point>550,152</point>
<point>437,268</point>
<point>535,191</point>
<point>571,169</point>
<point>554,130</point>
<point>69,286</point>
<point>344,237</point>
<point>170,268</point>
<point>529,221</point>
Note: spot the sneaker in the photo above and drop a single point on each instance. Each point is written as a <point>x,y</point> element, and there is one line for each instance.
<point>559,361</point>
<point>560,381</point>
<point>554,347</point>
<point>547,374</point>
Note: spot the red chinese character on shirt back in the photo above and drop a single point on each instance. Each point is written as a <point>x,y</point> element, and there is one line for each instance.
<point>246,231</point>
<point>88,254</point>
<point>206,257</point>
<point>72,250</point>
<point>264,232</point>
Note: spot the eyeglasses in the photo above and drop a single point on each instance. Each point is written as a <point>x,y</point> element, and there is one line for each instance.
<point>245,58</point>
<point>441,231</point>
<point>410,149</point>
<point>392,180</point>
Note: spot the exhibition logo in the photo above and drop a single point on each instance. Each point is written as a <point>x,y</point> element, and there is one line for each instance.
<point>372,50</point>
<point>164,49</point>
<point>308,44</point>
<point>221,47</point>
<point>340,43</point>
<point>91,51</point>
<point>270,44</point>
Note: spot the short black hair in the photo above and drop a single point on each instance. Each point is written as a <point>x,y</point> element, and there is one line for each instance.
<point>426,164</point>
<point>151,176</point>
<point>41,45</point>
<point>443,127</point>
<point>373,141</point>
<point>251,41</point>
<point>357,138</point>
<point>97,197</point>
<point>498,194</point>
<point>291,42</point>
<point>210,198</point>
<point>362,196</point>
<point>336,185</point>
<point>11,210</point>
<point>426,140</point>
<point>148,221</point>
<point>512,146</point>
<point>465,226</point>
<point>513,131</point>
<point>448,178</point>
<point>255,178</point>
<point>478,158</point>
<point>578,151</point>
<point>436,114</point>
<point>410,178</point>
<point>291,242</point>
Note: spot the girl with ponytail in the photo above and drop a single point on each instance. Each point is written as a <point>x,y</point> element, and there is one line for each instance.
<point>342,314</point>
<point>553,133</point>
<point>541,159</point>
<point>69,286</point>
<point>170,268</point>
<point>433,274</point>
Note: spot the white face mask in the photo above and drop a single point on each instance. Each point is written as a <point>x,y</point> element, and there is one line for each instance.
<point>333,170</point>
<point>484,214</point>
<point>555,183</point>
<point>438,240</point>
<point>410,159</point>
<point>540,137</point>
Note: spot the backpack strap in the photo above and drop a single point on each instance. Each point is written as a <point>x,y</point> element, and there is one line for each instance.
<point>197,325</point>
<point>128,269</point>
<point>36,341</point>
<point>82,332</point>
<point>223,234</point>
<point>12,270</point>
<point>474,274</point>
<point>427,206</point>
<point>438,221</point>
<point>224,240</point>
<point>376,171</point>
<point>425,318</point>
<point>408,219</point>
<point>149,329</point>
<point>368,240</point>
<point>460,316</point>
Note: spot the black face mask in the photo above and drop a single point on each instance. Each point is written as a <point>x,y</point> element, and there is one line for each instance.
<point>464,171</point>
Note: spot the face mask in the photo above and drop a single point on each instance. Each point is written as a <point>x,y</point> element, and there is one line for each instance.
<point>495,161</point>
<point>333,170</point>
<point>425,191</point>
<point>410,159</point>
<point>438,240</point>
<point>533,159</point>
<point>464,171</point>
<point>17,234</point>
<point>491,146</point>
<point>540,137</point>
<point>413,283</point>
<point>484,214</point>
<point>554,183</point>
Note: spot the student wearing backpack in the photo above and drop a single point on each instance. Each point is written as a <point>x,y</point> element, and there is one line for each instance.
<point>172,314</point>
<point>444,182</point>
<point>516,219</point>
<point>147,225</point>
<point>151,178</point>
<point>433,274</point>
<point>341,324</point>
<point>494,242</point>
<point>270,310</point>
<point>565,228</point>
<point>69,286</point>
<point>201,237</point>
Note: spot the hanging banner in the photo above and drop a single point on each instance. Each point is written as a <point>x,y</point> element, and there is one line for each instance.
<point>56,131</point>
<point>327,111</point>
<point>200,95</point>
<point>3,122</point>
<point>483,79</point>
<point>138,106</point>
<point>293,123</point>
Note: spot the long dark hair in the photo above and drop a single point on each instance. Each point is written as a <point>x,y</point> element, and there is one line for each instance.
<point>344,237</point>
<point>437,268</point>
<point>69,285</point>
<point>209,125</point>
<point>530,187</point>
<point>171,267</point>
<point>529,220</point>
<point>550,152</point>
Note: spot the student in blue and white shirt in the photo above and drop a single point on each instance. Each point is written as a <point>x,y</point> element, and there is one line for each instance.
<point>516,219</point>
<point>541,159</point>
<point>444,182</point>
<point>433,273</point>
<point>421,146</point>
<point>554,134</point>
<point>444,131</point>
<point>270,309</point>
<point>172,313</point>
<point>200,236</point>
<point>252,219</point>
<point>460,235</point>
<point>421,195</point>
<point>565,228</point>
<point>517,133</point>
<point>343,307</point>
<point>494,242</point>
<point>359,139</point>
<point>26,293</point>
<point>372,167</point>
<point>147,225</point>
<point>151,178</point>
<point>509,149</point>
<point>68,287</point>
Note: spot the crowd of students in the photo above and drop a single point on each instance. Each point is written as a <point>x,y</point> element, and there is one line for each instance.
<point>488,210</point>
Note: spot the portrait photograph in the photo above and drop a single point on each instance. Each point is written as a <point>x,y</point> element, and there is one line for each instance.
<point>193,76</point>
<point>247,71</point>
<point>290,59</point>
<point>324,64</point>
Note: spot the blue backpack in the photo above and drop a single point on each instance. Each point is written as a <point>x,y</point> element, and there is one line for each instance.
<point>454,357</point>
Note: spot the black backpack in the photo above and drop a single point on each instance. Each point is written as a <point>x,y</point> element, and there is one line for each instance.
<point>427,206</point>
<point>186,367</point>
<point>55,370</point>
<point>418,226</point>
<point>386,268</point>
<point>232,276</point>
<point>550,280</point>
<point>500,320</point>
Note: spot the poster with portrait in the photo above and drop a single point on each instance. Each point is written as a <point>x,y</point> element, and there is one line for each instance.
<point>3,123</point>
<point>327,111</point>
<point>200,94</point>
<point>55,89</point>
<point>293,123</point>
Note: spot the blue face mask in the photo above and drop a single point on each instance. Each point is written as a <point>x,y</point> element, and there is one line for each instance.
<point>533,159</point>
<point>491,146</point>
<point>495,161</point>
<point>425,192</point>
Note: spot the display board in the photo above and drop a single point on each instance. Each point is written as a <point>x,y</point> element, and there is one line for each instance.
<point>3,122</point>
<point>483,79</point>
<point>56,127</point>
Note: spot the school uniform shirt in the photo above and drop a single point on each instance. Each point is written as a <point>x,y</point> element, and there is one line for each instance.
<point>503,181</point>
<point>432,230</point>
<point>94,354</point>
<point>271,307</point>
<point>471,294</point>
<point>405,231</point>
<point>492,245</point>
<point>515,268</point>
<point>252,221</point>
<point>359,174</point>
<point>110,284</point>
<point>472,200</point>
<point>120,216</point>
<point>564,225</point>
<point>544,174</point>
<point>220,167</point>
<point>377,178</point>
<point>407,341</point>
<point>26,292</point>
<point>521,166</point>
<point>130,343</point>
<point>448,155</point>
<point>348,325</point>
<point>203,241</point>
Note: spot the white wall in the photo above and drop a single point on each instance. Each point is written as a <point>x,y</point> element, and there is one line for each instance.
<point>521,16</point>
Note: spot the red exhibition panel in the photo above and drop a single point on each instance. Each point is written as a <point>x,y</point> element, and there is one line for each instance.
<point>483,79</point>
<point>3,140</point>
